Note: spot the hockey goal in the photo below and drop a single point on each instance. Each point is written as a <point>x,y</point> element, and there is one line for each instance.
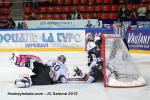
<point>119,68</point>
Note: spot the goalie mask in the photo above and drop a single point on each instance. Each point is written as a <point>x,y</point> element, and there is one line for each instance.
<point>61,58</point>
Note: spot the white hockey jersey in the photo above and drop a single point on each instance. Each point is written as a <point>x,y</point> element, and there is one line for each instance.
<point>58,68</point>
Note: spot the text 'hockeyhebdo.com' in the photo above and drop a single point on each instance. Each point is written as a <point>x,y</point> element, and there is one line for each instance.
<point>42,93</point>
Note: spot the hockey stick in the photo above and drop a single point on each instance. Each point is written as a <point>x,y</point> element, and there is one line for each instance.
<point>75,79</point>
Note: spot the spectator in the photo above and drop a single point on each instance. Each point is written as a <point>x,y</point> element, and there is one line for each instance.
<point>68,17</point>
<point>11,24</point>
<point>123,13</point>
<point>24,25</point>
<point>142,11</point>
<point>133,13</point>
<point>89,24</point>
<point>32,17</point>
<point>19,25</point>
<point>76,15</point>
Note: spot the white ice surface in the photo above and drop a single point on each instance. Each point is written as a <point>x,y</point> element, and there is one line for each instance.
<point>86,91</point>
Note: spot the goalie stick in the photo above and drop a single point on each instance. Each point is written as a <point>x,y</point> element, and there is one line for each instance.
<point>75,79</point>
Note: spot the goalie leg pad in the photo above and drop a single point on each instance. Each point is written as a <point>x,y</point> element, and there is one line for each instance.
<point>24,82</point>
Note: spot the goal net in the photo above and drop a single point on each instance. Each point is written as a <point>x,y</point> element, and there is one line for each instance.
<point>119,68</point>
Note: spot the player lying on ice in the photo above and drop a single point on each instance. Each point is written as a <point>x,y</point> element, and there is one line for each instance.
<point>94,64</point>
<point>54,71</point>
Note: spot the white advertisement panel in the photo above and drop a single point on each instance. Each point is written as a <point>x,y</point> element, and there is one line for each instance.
<point>91,23</point>
<point>14,39</point>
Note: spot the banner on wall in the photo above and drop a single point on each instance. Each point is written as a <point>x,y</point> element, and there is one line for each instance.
<point>42,39</point>
<point>109,25</point>
<point>138,39</point>
<point>144,24</point>
<point>91,23</point>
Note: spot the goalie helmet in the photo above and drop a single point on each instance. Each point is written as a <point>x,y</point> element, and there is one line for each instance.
<point>61,58</point>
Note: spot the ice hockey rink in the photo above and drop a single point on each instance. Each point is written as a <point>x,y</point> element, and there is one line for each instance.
<point>75,90</point>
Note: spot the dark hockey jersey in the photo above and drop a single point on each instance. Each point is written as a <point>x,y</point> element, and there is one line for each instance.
<point>94,51</point>
<point>41,76</point>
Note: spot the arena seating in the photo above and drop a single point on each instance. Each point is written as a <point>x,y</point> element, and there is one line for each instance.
<point>51,9</point>
<point>76,2</point>
<point>27,10</point>
<point>59,9</point>
<point>5,9</point>
<point>60,2</point>
<point>114,8</point>
<point>67,9</point>
<point>26,17</point>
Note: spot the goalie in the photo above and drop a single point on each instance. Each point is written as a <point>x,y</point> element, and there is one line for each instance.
<point>54,71</point>
<point>94,64</point>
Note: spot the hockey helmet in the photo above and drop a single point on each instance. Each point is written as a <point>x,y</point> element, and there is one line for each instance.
<point>61,58</point>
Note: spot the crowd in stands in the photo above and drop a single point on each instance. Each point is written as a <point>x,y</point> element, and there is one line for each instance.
<point>86,9</point>
<point>78,9</point>
<point>141,13</point>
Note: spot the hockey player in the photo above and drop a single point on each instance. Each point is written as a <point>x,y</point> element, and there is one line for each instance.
<point>50,73</point>
<point>59,72</point>
<point>95,65</point>
<point>23,60</point>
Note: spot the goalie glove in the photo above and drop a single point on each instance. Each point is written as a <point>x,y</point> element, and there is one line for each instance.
<point>78,72</point>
